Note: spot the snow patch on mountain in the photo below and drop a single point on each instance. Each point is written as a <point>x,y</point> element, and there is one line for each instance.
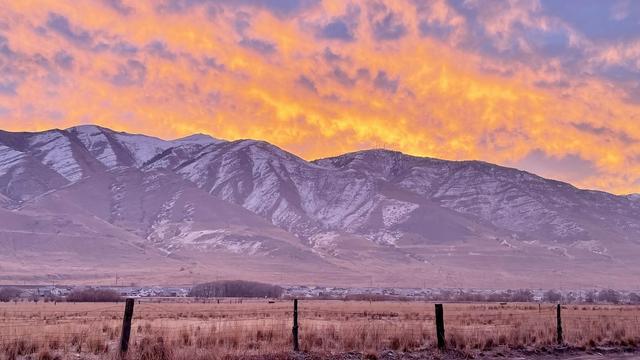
<point>356,219</point>
<point>117,192</point>
<point>217,239</point>
<point>94,140</point>
<point>385,237</point>
<point>506,243</point>
<point>265,194</point>
<point>592,245</point>
<point>9,158</point>
<point>142,148</point>
<point>200,139</point>
<point>341,207</point>
<point>285,217</point>
<point>196,171</point>
<point>160,228</point>
<point>152,182</point>
<point>324,243</point>
<point>395,211</point>
<point>55,151</point>
<point>566,228</point>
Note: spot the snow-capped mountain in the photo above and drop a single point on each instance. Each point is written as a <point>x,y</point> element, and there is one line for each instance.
<point>198,207</point>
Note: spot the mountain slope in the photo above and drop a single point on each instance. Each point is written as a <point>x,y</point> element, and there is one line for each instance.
<point>251,209</point>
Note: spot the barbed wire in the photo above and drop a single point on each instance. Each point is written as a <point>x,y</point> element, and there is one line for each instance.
<point>228,320</point>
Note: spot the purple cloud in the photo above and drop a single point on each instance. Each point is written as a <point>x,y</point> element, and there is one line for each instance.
<point>60,24</point>
<point>64,60</point>
<point>261,46</point>
<point>341,28</point>
<point>307,83</point>
<point>336,29</point>
<point>159,48</point>
<point>385,24</point>
<point>598,20</point>
<point>280,8</point>
<point>8,87</point>
<point>342,77</point>
<point>119,6</point>
<point>383,82</point>
<point>124,48</point>
<point>133,72</point>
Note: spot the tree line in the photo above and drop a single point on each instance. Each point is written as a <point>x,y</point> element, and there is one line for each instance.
<point>236,288</point>
<point>250,289</point>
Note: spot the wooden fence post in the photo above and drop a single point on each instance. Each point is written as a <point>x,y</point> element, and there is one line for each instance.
<point>296,344</point>
<point>559,325</point>
<point>440,327</point>
<point>126,326</point>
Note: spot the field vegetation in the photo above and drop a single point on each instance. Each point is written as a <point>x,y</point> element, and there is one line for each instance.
<point>232,329</point>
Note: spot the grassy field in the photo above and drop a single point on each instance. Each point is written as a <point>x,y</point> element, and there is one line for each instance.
<point>165,330</point>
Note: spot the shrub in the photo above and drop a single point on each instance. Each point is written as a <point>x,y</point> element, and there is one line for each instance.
<point>552,296</point>
<point>9,293</point>
<point>94,295</point>
<point>522,296</point>
<point>153,349</point>
<point>609,296</point>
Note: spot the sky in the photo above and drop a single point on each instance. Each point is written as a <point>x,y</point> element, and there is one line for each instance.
<point>548,86</point>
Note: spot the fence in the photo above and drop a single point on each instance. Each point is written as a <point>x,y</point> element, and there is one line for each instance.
<point>310,326</point>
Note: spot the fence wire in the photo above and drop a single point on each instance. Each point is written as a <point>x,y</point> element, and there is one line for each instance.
<point>322,325</point>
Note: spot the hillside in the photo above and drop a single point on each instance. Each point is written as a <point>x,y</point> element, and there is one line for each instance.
<point>84,203</point>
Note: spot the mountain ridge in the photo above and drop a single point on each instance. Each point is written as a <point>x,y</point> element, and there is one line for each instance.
<point>323,158</point>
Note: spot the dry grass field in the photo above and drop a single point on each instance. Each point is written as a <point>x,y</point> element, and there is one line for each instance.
<point>169,330</point>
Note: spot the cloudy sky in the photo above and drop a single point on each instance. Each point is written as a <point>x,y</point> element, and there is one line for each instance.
<point>549,86</point>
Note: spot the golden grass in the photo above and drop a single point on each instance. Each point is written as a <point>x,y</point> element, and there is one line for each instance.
<point>197,330</point>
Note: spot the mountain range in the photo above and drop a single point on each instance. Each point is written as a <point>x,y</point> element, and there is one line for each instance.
<point>89,204</point>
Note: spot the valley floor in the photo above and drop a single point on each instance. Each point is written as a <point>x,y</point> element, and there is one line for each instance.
<point>328,329</point>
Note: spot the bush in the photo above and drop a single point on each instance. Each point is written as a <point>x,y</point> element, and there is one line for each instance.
<point>94,295</point>
<point>236,288</point>
<point>522,296</point>
<point>552,296</point>
<point>9,293</point>
<point>609,296</point>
